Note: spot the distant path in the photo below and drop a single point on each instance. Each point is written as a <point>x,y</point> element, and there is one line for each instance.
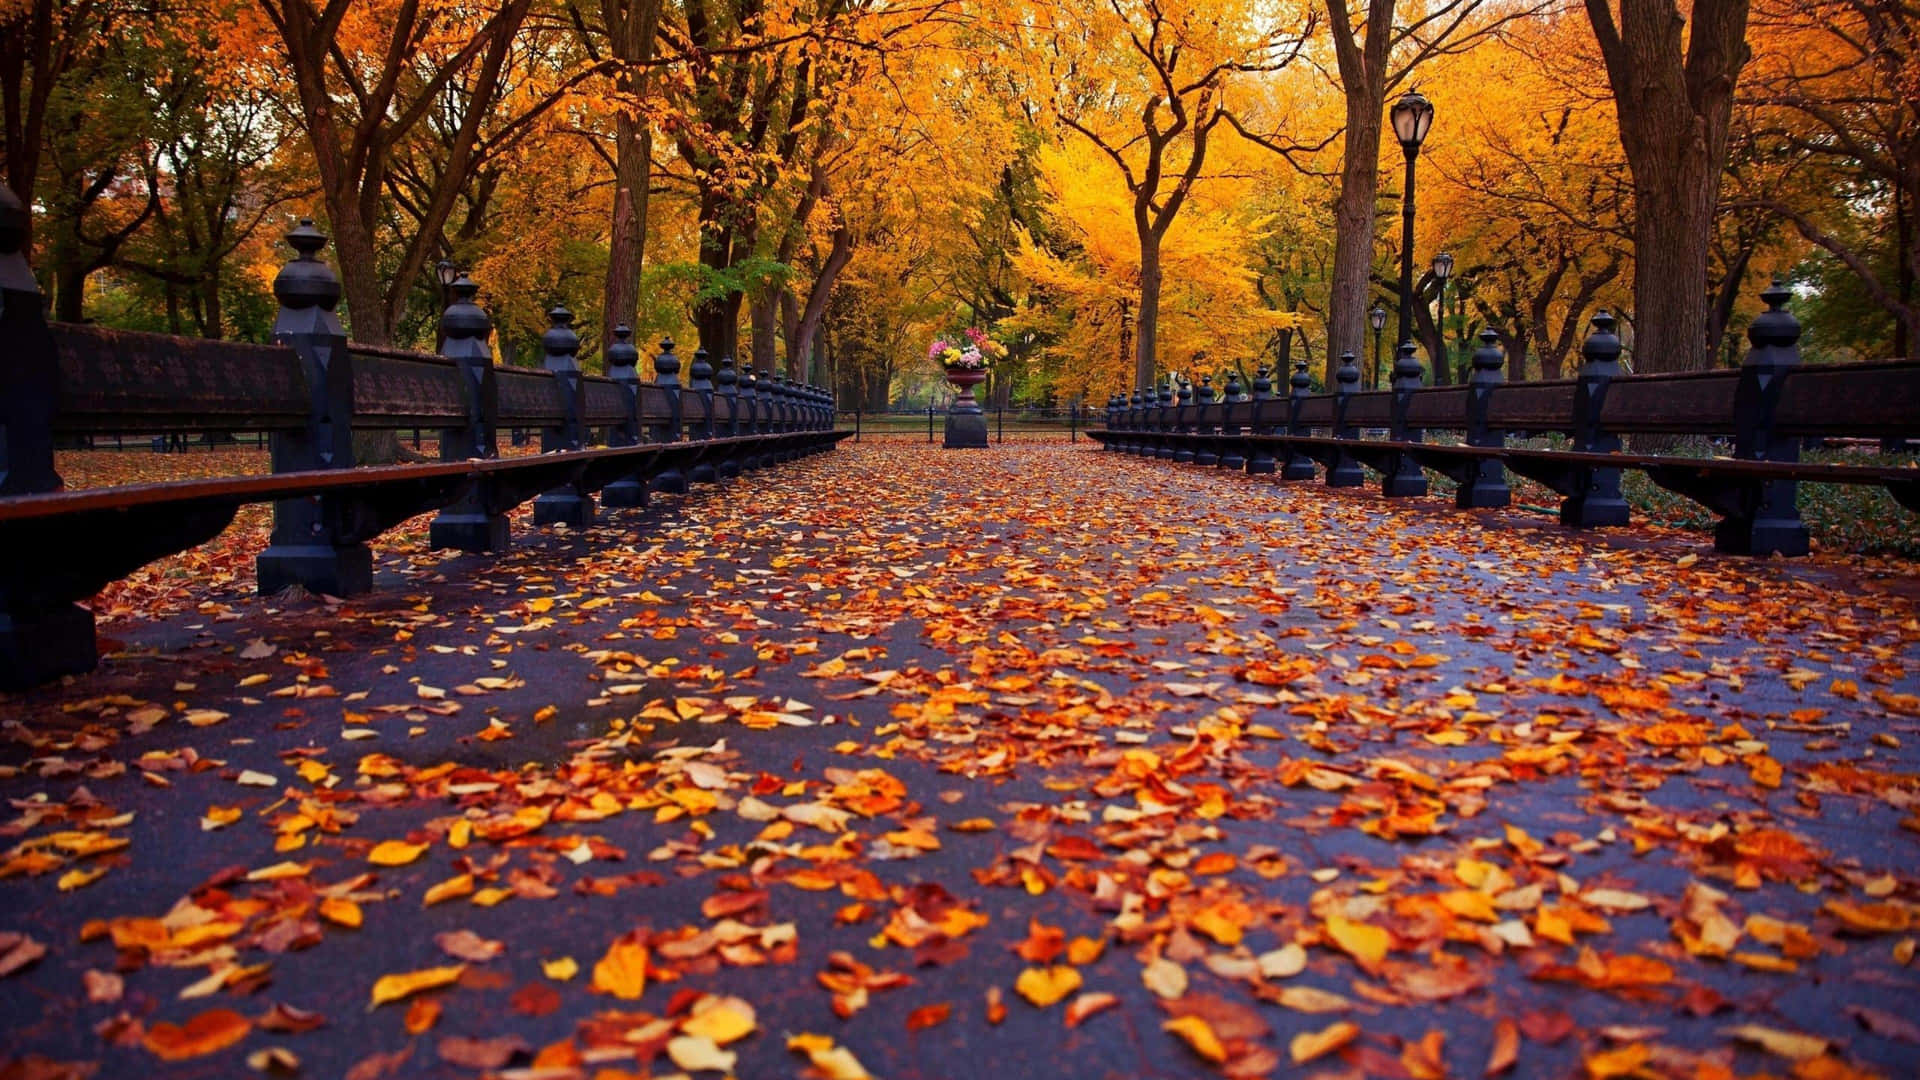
<point>917,708</point>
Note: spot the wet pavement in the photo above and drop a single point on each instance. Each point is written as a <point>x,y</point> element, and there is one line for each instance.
<point>890,730</point>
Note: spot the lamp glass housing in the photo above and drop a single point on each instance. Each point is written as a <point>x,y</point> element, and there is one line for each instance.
<point>1442,266</point>
<point>1412,116</point>
<point>1377,317</point>
<point>448,273</point>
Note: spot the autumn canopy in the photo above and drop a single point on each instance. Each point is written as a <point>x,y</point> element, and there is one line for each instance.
<point>1114,189</point>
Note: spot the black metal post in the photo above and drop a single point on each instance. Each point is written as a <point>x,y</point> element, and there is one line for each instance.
<point>666,376</point>
<point>623,368</point>
<point>1486,482</point>
<point>42,636</point>
<point>701,386</point>
<point>567,503</point>
<point>1299,464</point>
<point>470,523</point>
<point>1345,470</point>
<point>1766,514</point>
<point>309,546</point>
<point>1260,459</point>
<point>1406,252</point>
<point>1404,477</point>
<point>1596,499</point>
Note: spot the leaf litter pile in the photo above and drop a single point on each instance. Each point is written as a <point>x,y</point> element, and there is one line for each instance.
<point>1030,762</point>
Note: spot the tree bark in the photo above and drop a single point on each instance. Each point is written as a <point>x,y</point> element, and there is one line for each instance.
<point>1675,110</point>
<point>1146,328</point>
<point>631,26</point>
<point>1363,79</point>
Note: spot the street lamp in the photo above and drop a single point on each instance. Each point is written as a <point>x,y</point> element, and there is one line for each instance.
<point>1377,318</point>
<point>1412,115</point>
<point>1442,270</point>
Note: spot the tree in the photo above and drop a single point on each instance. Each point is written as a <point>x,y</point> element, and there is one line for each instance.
<point>1674,99</point>
<point>1832,88</point>
<point>1144,82</point>
<point>367,75</point>
<point>1086,284</point>
<point>627,29</point>
<point>1374,57</point>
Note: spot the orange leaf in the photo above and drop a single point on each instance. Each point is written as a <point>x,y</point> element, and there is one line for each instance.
<point>215,1029</point>
<point>422,1014</point>
<point>395,853</point>
<point>1199,1035</point>
<point>1312,1044</point>
<point>1506,1047</point>
<point>928,1015</point>
<point>623,971</point>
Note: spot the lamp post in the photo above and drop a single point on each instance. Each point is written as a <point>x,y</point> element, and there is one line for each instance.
<point>1377,318</point>
<point>1442,270</point>
<point>1412,115</point>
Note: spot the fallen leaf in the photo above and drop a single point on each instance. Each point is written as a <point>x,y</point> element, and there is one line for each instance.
<point>1044,986</point>
<point>390,988</point>
<point>213,1030</point>
<point>623,971</point>
<point>1198,1035</point>
<point>1309,1045</point>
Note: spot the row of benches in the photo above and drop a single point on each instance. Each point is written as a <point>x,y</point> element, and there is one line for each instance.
<point>1765,408</point>
<point>312,390</point>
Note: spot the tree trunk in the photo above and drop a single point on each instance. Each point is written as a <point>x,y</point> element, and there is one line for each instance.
<point>764,315</point>
<point>1903,330</point>
<point>807,327</point>
<point>1147,322</point>
<point>210,314</point>
<point>631,26</point>
<point>1353,223</point>
<point>1675,109</point>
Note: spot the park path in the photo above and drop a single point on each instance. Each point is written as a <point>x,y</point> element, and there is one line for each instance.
<point>1037,761</point>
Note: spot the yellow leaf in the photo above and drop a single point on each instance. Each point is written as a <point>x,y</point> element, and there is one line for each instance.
<point>394,987</point>
<point>560,970</point>
<point>337,910</point>
<point>1165,978</point>
<point>830,1061</point>
<point>623,971</point>
<point>696,1052</point>
<point>1312,1044</point>
<point>724,1022</point>
<point>395,853</point>
<point>448,889</point>
<point>1044,986</point>
<point>278,871</point>
<point>74,879</point>
<point>1199,1035</point>
<point>1366,943</point>
<point>1792,1045</point>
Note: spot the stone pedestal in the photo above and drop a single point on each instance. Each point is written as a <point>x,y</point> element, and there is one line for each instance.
<point>966,422</point>
<point>966,431</point>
